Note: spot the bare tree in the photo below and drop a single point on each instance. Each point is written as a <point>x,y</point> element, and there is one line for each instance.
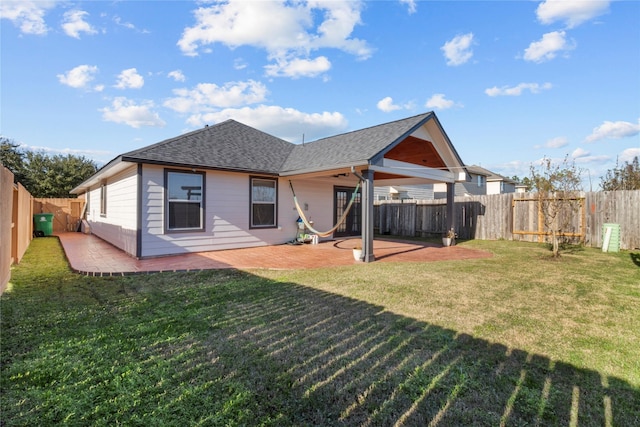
<point>557,188</point>
<point>625,177</point>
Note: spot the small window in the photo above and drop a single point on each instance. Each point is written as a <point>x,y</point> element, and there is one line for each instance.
<point>185,207</point>
<point>480,180</point>
<point>103,199</point>
<point>263,202</point>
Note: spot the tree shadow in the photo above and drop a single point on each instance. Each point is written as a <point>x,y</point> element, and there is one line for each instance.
<point>352,363</point>
<point>635,258</point>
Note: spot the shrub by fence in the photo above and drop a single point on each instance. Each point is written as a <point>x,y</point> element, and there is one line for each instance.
<point>512,217</point>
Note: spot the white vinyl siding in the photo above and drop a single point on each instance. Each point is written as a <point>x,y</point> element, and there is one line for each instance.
<point>119,195</point>
<point>227,207</point>
<point>316,197</point>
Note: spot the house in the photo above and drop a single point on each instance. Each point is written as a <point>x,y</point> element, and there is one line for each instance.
<point>480,181</point>
<point>409,192</point>
<point>232,186</point>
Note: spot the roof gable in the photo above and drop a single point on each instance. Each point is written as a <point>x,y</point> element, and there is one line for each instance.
<point>355,147</point>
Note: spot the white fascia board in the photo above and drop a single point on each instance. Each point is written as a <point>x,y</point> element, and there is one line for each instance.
<point>110,169</point>
<point>396,167</point>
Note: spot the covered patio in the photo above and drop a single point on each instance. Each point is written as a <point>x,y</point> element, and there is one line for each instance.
<point>90,255</point>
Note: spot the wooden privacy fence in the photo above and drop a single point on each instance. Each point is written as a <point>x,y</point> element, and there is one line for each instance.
<point>529,219</point>
<point>17,208</point>
<point>16,225</point>
<point>66,212</point>
<point>513,217</point>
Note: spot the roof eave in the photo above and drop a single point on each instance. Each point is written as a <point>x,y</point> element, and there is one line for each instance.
<point>101,174</point>
<point>359,163</point>
<point>199,166</point>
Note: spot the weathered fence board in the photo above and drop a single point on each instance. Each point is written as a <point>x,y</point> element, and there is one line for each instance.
<point>16,225</point>
<point>495,217</point>
<point>66,212</point>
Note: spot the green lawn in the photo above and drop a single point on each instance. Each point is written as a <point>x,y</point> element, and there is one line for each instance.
<point>516,339</point>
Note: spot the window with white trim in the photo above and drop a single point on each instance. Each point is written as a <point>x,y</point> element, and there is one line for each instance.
<point>264,196</point>
<point>103,199</point>
<point>185,200</point>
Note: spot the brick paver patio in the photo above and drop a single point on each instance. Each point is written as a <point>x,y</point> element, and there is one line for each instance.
<point>88,254</point>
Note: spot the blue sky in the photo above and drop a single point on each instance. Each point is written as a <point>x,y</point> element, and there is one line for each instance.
<point>511,81</point>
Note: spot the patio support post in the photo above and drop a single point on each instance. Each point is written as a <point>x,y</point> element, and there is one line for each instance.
<point>367,216</point>
<point>451,213</point>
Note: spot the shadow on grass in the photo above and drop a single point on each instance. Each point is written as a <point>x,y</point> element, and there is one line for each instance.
<point>635,258</point>
<point>230,348</point>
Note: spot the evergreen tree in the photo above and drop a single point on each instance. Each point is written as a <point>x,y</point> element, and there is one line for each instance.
<point>44,175</point>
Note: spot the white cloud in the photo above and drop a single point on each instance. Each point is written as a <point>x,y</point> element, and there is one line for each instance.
<point>121,23</point>
<point>585,158</point>
<point>177,75</point>
<point>517,90</point>
<point>614,130</point>
<point>206,97</point>
<point>74,24</point>
<point>547,47</point>
<point>239,64</point>
<point>411,5</point>
<point>557,142</point>
<point>387,105</point>
<point>579,152</point>
<point>458,50</point>
<point>440,102</point>
<point>629,154</point>
<point>27,15</point>
<point>126,111</point>
<point>299,67</point>
<point>573,12</point>
<point>286,123</point>
<point>79,77</point>
<point>284,29</point>
<point>130,79</point>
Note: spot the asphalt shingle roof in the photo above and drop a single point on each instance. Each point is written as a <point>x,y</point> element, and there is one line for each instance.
<point>228,145</point>
<point>491,176</point>
<point>352,147</point>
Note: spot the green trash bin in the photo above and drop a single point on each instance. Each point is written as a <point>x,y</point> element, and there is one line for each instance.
<point>44,222</point>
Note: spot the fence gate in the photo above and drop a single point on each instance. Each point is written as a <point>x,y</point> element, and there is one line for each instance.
<point>528,218</point>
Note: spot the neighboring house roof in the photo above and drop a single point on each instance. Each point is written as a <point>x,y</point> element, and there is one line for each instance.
<point>233,146</point>
<point>491,176</point>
